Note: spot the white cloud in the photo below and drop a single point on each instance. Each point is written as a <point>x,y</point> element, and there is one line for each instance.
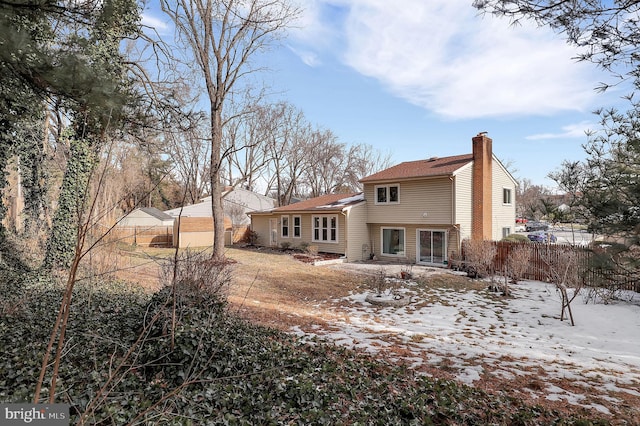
<point>309,57</point>
<point>444,57</point>
<point>160,26</point>
<point>314,31</point>
<point>578,130</point>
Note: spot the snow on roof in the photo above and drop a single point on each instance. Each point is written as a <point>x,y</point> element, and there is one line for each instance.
<point>343,202</point>
<point>335,202</point>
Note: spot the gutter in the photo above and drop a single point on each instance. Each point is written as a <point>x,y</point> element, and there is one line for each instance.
<point>453,212</point>
<point>346,240</point>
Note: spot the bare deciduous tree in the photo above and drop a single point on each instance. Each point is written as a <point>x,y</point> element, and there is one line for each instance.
<point>223,36</point>
<point>289,144</point>
<point>327,157</point>
<point>564,273</point>
<point>189,152</point>
<point>246,135</point>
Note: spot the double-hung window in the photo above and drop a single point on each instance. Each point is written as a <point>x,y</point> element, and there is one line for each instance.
<point>387,194</point>
<point>506,231</point>
<point>506,195</point>
<point>325,228</point>
<point>284,220</point>
<point>297,227</point>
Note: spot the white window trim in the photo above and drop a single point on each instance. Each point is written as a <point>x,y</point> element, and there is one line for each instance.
<point>446,245</point>
<point>282,226</point>
<point>313,234</point>
<point>293,225</point>
<point>387,186</point>
<point>403,253</point>
<point>510,196</point>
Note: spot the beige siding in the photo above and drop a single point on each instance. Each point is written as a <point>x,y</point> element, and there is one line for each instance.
<point>504,215</point>
<point>421,202</point>
<point>260,224</point>
<point>463,188</point>
<point>357,234</point>
<point>410,239</point>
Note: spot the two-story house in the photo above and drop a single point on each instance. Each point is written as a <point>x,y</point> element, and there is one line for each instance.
<point>416,211</point>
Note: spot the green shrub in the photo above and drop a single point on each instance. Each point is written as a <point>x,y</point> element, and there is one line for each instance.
<point>516,238</point>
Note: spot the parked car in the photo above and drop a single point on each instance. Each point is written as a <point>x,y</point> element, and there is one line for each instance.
<point>521,220</point>
<point>542,237</point>
<point>536,226</point>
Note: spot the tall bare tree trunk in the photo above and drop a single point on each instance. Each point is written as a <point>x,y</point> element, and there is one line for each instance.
<point>222,36</point>
<point>216,183</point>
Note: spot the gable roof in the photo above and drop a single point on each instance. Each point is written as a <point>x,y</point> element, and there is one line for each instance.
<point>158,214</point>
<point>432,167</point>
<point>324,203</point>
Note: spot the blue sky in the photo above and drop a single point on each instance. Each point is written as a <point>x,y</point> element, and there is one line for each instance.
<point>420,78</point>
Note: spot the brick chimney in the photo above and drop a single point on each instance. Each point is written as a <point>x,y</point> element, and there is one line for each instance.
<point>481,215</point>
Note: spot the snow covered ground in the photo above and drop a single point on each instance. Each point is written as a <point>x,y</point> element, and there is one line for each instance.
<point>478,334</point>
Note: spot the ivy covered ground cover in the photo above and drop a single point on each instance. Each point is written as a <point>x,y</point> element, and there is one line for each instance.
<point>217,369</point>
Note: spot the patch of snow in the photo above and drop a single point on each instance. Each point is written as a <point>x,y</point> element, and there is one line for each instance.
<point>469,328</point>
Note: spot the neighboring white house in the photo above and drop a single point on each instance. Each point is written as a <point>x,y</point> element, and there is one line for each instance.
<point>196,220</point>
<point>146,216</point>
<point>237,202</point>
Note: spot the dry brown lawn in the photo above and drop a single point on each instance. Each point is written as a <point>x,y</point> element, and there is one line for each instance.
<point>271,288</point>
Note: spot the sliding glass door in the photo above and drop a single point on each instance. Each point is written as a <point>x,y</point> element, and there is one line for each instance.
<point>432,246</point>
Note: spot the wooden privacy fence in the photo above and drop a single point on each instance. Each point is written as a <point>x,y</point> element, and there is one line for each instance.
<point>543,255</point>
<point>148,236</point>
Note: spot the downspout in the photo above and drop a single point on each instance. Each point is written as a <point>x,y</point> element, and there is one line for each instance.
<point>346,241</point>
<point>453,214</point>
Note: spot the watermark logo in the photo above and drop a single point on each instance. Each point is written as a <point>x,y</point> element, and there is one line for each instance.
<point>34,414</point>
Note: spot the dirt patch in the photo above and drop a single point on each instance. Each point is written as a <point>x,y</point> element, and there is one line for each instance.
<point>313,258</point>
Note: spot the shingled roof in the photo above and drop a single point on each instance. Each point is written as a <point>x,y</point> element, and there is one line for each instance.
<point>158,214</point>
<point>444,166</point>
<point>331,202</point>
